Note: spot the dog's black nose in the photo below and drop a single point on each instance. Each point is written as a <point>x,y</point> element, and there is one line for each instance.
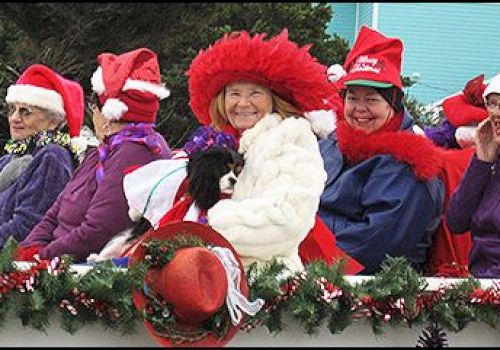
<point>232,180</point>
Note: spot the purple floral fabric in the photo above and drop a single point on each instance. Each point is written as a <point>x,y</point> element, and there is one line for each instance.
<point>205,137</point>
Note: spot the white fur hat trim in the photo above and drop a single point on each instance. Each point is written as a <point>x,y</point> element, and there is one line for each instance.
<point>335,72</point>
<point>323,122</point>
<point>493,87</point>
<point>35,96</point>
<point>159,90</point>
<point>98,86</point>
<point>151,189</point>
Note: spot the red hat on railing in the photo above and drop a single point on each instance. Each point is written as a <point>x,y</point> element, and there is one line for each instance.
<point>129,85</point>
<point>40,86</point>
<point>196,284</point>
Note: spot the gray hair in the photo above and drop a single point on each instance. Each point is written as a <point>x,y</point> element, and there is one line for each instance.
<point>53,115</point>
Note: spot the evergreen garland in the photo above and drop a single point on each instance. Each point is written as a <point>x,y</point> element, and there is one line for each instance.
<point>317,296</point>
<point>101,295</point>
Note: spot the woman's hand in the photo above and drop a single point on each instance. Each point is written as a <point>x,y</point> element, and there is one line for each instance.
<point>486,147</point>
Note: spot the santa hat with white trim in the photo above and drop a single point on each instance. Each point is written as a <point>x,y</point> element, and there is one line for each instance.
<point>129,85</point>
<point>40,86</point>
<point>493,87</point>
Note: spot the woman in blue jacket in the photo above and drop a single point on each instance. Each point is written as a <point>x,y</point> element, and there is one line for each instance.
<point>382,196</point>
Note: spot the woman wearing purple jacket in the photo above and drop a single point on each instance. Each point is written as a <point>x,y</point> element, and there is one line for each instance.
<point>475,205</point>
<point>93,208</point>
<point>39,159</point>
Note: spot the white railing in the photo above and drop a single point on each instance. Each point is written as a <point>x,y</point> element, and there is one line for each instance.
<point>359,333</point>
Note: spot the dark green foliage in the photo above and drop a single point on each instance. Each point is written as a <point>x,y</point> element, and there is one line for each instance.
<point>396,281</point>
<point>452,310</point>
<point>10,38</point>
<point>33,310</point>
<point>309,308</point>
<point>68,37</point>
<point>8,254</point>
<point>421,115</point>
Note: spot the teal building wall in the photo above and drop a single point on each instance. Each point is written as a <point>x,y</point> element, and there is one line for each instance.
<point>445,44</point>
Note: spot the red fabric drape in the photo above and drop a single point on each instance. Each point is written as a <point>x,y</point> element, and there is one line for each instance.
<point>321,244</point>
<point>449,255</point>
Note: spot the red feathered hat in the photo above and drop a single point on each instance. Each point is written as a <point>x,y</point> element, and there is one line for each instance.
<point>279,64</point>
<point>460,113</point>
<point>468,107</point>
<point>474,89</point>
<point>129,85</point>
<point>194,285</point>
<point>40,86</point>
<point>374,60</point>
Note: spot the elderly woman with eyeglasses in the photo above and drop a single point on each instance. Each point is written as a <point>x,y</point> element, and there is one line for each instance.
<point>475,205</point>
<point>92,209</point>
<point>38,161</point>
<point>382,195</point>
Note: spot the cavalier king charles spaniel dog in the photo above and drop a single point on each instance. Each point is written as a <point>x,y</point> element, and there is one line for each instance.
<point>211,173</point>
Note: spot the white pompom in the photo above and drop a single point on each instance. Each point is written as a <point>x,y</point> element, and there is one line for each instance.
<point>335,72</point>
<point>323,122</point>
<point>113,109</point>
<point>97,81</point>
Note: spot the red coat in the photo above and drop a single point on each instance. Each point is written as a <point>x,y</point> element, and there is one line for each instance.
<point>449,256</point>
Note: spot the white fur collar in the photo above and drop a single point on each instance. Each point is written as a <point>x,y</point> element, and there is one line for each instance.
<point>322,124</point>
<point>267,122</point>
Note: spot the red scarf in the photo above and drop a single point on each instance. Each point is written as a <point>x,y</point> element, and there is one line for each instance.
<point>415,150</point>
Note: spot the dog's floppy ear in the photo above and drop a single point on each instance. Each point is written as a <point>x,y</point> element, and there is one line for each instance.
<point>203,181</point>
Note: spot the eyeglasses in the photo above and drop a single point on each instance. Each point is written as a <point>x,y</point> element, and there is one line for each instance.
<point>492,106</point>
<point>24,112</point>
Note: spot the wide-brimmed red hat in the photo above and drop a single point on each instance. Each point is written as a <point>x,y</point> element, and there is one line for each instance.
<point>195,284</point>
<point>374,60</point>
<point>278,64</point>
<point>460,113</point>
